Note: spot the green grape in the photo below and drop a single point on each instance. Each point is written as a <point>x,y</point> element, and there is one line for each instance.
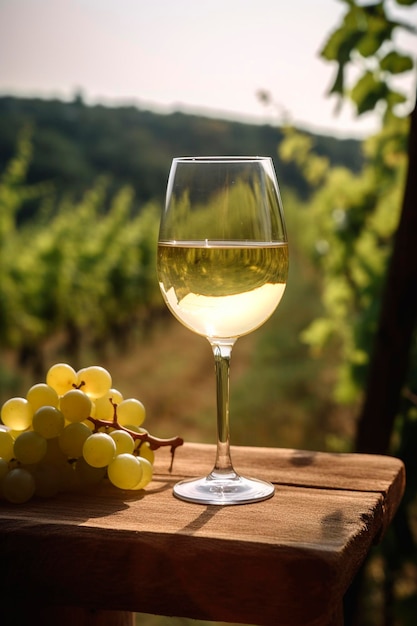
<point>137,429</point>
<point>29,448</point>
<point>104,408</point>
<point>124,442</point>
<point>54,455</point>
<point>147,473</point>
<point>86,475</point>
<point>99,450</point>
<point>125,471</point>
<point>12,433</point>
<point>47,480</point>
<point>48,422</point>
<point>72,439</point>
<point>68,478</point>
<point>75,405</point>
<point>95,380</point>
<point>6,445</point>
<point>42,395</point>
<point>130,411</point>
<point>61,377</point>
<point>18,486</point>
<point>90,425</point>
<point>17,414</point>
<point>142,448</point>
<point>145,451</point>
<point>49,434</point>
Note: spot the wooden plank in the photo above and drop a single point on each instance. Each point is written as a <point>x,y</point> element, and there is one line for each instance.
<point>357,472</point>
<point>292,556</point>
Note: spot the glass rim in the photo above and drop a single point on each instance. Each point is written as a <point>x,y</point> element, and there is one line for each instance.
<point>221,159</point>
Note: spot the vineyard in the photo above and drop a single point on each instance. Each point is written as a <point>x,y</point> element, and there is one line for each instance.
<point>84,270</point>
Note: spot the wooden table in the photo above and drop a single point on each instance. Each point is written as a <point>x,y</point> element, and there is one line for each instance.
<point>286,561</point>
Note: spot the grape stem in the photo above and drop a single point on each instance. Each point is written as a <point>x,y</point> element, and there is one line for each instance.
<point>154,442</point>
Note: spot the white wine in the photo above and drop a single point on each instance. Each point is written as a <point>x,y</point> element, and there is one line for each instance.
<point>222,289</point>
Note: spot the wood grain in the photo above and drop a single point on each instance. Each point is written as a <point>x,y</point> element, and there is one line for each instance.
<point>288,560</point>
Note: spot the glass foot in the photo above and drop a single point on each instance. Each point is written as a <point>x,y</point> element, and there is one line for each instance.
<point>223,490</point>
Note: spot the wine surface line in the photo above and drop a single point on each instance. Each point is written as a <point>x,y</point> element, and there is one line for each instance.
<point>222,289</point>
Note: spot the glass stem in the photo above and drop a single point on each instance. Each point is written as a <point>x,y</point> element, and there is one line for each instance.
<point>222,353</point>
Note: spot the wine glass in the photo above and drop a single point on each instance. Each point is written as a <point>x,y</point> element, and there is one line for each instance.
<point>222,269</point>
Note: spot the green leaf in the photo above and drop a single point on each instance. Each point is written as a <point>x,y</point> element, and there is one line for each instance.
<point>330,50</point>
<point>407,3</point>
<point>375,9</point>
<point>338,48</point>
<point>338,85</point>
<point>396,63</point>
<point>369,44</point>
<point>367,92</point>
<point>340,44</point>
<point>396,97</point>
<point>393,99</point>
<point>355,18</point>
<point>378,31</point>
<point>318,333</point>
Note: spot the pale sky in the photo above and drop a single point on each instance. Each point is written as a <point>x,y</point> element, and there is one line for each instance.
<point>204,56</point>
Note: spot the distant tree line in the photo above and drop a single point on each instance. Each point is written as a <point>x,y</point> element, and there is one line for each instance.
<point>74,143</point>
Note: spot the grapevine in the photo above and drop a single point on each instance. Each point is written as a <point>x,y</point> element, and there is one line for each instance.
<point>70,433</point>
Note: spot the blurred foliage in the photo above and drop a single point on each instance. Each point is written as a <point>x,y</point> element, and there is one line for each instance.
<point>74,143</point>
<point>80,193</point>
<point>365,41</point>
<point>350,227</point>
<point>85,269</point>
<point>351,222</point>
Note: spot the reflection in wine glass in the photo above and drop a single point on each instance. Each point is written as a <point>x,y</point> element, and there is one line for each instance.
<point>222,268</point>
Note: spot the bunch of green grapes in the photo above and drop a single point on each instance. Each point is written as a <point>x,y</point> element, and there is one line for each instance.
<point>70,433</point>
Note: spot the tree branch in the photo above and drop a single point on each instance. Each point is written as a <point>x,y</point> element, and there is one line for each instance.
<point>390,359</point>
